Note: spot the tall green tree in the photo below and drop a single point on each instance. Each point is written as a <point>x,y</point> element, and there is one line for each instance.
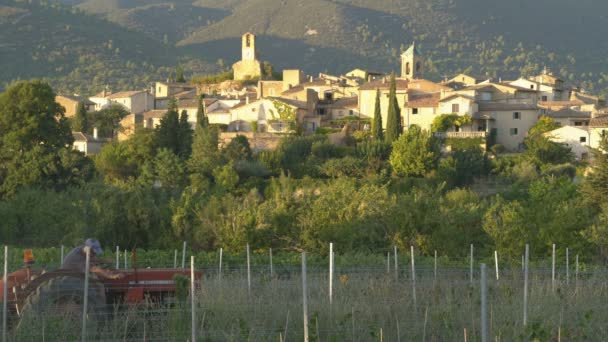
<point>393,120</point>
<point>107,120</point>
<point>179,74</point>
<point>168,131</point>
<point>205,155</point>
<point>80,123</point>
<point>185,136</point>
<point>201,116</point>
<point>377,133</point>
<point>595,186</point>
<point>35,141</point>
<point>415,153</point>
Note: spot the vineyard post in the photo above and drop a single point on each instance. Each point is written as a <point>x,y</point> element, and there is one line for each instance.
<point>567,266</point>
<point>576,272</point>
<point>496,263</point>
<point>126,259</point>
<point>435,267</point>
<point>304,297</point>
<point>471,266</point>
<point>388,262</point>
<point>5,295</point>
<point>331,272</point>
<point>396,264</point>
<point>484,303</point>
<point>413,277</point>
<point>87,265</point>
<point>219,273</point>
<point>271,268</point>
<point>184,255</point>
<point>193,312</point>
<point>61,261</point>
<point>248,273</point>
<point>175,258</point>
<point>553,268</point>
<point>526,284</point>
<point>117,257</point>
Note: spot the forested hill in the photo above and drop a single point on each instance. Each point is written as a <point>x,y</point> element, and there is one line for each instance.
<point>493,37</point>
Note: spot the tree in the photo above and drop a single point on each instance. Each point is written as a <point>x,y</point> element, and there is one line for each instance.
<point>377,133</point>
<point>393,120</point>
<point>168,131</point>
<point>205,154</point>
<point>80,123</point>
<point>179,74</point>
<point>238,149</point>
<point>543,125</point>
<point>595,186</point>
<point>107,120</point>
<point>29,116</point>
<point>169,169</point>
<point>35,141</point>
<point>185,136</point>
<point>201,116</point>
<point>415,153</point>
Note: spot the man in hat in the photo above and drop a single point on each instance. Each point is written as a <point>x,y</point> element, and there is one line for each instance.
<point>77,258</point>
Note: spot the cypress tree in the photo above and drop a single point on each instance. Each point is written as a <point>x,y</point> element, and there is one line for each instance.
<point>179,75</point>
<point>393,120</point>
<point>80,122</point>
<point>201,115</point>
<point>168,131</point>
<point>377,133</point>
<point>185,136</point>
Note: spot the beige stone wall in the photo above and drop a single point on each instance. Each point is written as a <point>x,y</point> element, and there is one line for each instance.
<point>257,141</point>
<point>504,122</point>
<point>247,69</point>
<point>69,105</point>
<point>423,119</point>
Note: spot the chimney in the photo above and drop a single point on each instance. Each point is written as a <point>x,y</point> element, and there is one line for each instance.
<point>311,79</point>
<point>247,99</point>
<point>95,133</point>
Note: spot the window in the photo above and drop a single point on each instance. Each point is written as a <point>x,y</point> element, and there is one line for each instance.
<point>486,96</point>
<point>513,131</point>
<point>543,98</point>
<point>159,89</point>
<point>351,112</point>
<point>418,66</point>
<point>583,139</point>
<point>253,109</point>
<point>585,156</point>
<point>407,68</point>
<point>531,86</point>
<point>322,111</point>
<point>414,110</point>
<point>329,96</point>
<point>455,108</point>
<point>516,116</point>
<point>248,44</point>
<point>578,123</point>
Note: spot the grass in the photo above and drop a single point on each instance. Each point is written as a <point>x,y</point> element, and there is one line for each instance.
<point>367,300</point>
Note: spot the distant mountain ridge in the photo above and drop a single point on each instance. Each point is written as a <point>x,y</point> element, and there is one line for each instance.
<point>486,37</point>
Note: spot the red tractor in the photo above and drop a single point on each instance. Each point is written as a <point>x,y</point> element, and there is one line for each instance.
<point>33,292</point>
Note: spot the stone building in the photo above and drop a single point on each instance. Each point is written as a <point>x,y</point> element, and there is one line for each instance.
<point>248,67</point>
<point>412,63</point>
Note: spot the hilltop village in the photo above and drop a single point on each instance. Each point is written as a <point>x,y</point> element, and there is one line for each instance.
<point>264,106</point>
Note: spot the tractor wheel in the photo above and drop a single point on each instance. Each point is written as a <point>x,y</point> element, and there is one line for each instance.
<point>58,303</point>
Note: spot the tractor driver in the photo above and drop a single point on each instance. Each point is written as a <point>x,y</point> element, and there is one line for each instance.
<point>76,260</point>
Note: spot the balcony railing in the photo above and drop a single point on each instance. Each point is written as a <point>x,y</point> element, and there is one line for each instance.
<point>461,135</point>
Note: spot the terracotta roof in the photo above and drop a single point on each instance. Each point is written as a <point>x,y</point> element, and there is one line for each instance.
<point>600,121</point>
<point>178,85</point>
<point>155,114</point>
<point>457,95</point>
<point>568,113</point>
<point>79,136</point>
<point>427,100</point>
<point>187,103</point>
<point>518,88</point>
<point>500,106</point>
<point>186,94</point>
<point>560,103</point>
<point>77,98</point>
<point>346,102</point>
<point>123,94</point>
<point>294,103</point>
<point>384,84</point>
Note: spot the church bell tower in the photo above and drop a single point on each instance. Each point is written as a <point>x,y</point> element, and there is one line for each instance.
<point>412,63</point>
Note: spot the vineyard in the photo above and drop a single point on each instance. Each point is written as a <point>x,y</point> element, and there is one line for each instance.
<point>373,298</point>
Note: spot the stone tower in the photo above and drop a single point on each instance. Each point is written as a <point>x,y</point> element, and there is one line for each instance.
<point>248,67</point>
<point>412,63</point>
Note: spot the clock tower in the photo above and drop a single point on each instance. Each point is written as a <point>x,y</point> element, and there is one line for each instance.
<point>248,47</point>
